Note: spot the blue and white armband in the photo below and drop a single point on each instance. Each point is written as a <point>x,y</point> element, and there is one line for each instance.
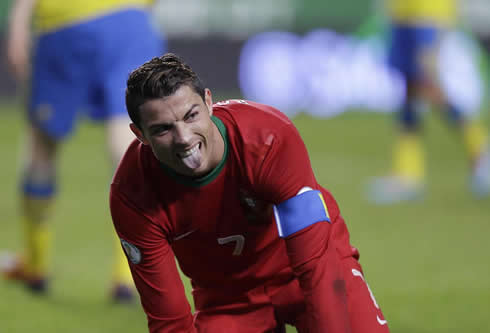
<point>300,211</point>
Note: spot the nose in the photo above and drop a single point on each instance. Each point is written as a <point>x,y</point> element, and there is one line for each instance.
<point>182,134</point>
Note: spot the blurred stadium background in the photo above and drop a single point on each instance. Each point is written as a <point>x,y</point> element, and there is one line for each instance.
<point>427,262</point>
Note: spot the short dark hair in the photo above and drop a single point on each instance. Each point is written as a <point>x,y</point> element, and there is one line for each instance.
<point>157,78</point>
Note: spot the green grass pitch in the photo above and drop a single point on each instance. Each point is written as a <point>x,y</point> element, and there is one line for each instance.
<point>428,262</point>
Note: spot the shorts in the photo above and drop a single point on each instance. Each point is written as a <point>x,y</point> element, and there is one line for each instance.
<point>409,45</point>
<point>269,307</point>
<point>83,68</point>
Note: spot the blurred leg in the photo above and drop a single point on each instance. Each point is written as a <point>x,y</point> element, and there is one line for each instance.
<point>476,142</point>
<point>54,97</point>
<point>38,191</point>
<point>408,157</point>
<point>406,182</point>
<point>475,139</point>
<point>119,136</point>
<point>407,178</point>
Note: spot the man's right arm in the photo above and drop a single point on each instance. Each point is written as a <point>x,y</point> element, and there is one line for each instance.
<point>153,267</point>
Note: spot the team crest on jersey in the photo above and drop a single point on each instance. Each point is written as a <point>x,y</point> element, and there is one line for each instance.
<point>255,210</point>
<point>133,253</point>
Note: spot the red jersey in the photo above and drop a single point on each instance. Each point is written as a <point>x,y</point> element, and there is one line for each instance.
<point>221,227</point>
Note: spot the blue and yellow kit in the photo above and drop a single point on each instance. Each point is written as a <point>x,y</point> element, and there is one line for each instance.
<point>83,55</point>
<point>53,14</point>
<point>425,12</point>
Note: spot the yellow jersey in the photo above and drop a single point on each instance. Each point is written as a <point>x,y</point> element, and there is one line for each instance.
<point>431,12</point>
<point>53,14</point>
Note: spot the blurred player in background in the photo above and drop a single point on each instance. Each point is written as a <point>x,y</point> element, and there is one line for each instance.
<point>228,189</point>
<point>416,30</point>
<point>82,53</point>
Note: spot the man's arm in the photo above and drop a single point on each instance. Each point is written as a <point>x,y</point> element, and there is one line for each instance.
<point>153,267</point>
<point>309,231</point>
<point>19,38</point>
<point>311,237</point>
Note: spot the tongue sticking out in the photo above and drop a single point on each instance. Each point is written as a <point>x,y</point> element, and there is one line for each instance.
<point>193,161</point>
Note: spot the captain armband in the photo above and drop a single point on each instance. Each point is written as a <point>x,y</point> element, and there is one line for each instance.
<point>300,211</point>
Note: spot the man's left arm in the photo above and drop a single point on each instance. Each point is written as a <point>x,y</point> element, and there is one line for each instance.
<point>316,262</point>
<point>304,223</point>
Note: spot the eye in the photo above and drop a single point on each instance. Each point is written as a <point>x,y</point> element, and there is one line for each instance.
<point>192,116</point>
<point>160,130</point>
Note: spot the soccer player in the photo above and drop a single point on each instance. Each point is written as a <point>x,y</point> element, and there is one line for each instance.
<point>80,62</point>
<point>416,29</point>
<point>229,191</point>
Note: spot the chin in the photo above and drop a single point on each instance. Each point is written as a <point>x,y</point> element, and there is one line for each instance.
<point>199,172</point>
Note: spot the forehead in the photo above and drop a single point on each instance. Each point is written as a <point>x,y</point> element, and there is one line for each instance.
<point>171,107</point>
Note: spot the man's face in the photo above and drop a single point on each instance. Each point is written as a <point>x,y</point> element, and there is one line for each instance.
<point>180,132</point>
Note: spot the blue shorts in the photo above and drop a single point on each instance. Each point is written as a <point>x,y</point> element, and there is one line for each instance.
<point>83,68</point>
<point>408,43</point>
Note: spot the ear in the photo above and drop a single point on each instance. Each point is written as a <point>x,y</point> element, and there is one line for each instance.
<point>138,133</point>
<point>208,99</point>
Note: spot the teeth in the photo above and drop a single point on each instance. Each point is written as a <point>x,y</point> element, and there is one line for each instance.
<point>192,157</point>
<point>189,152</point>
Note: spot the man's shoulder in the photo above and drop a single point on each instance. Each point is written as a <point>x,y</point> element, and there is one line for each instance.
<point>254,130</point>
<point>252,121</point>
<point>250,112</point>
